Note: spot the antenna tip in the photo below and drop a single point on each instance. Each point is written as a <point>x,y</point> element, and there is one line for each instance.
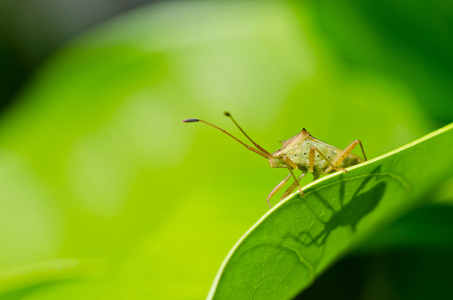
<point>227,114</point>
<point>190,120</point>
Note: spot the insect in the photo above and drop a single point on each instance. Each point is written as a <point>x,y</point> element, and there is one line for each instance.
<point>301,152</point>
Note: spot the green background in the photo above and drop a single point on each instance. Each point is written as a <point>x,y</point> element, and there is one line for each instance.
<point>98,171</point>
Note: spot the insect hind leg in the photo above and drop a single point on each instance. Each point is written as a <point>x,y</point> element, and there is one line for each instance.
<point>344,154</point>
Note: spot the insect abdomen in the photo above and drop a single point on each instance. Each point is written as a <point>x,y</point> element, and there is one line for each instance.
<point>301,155</point>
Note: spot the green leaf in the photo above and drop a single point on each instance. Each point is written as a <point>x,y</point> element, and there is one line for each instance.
<point>291,245</point>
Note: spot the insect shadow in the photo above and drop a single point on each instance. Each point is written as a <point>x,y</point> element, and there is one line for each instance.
<point>351,213</point>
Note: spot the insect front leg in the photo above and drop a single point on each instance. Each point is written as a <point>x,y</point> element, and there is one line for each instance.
<point>291,165</point>
<point>343,155</point>
<point>294,185</point>
<point>276,189</point>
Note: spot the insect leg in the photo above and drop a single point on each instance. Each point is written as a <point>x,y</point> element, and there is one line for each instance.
<point>343,155</point>
<point>363,151</point>
<point>289,162</point>
<point>311,161</point>
<point>277,188</point>
<point>294,185</point>
<point>315,175</point>
<point>291,165</point>
<point>295,180</point>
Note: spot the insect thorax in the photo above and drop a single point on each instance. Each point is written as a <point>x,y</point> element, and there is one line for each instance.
<point>298,150</point>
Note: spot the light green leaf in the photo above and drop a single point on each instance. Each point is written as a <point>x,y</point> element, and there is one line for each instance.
<point>297,240</point>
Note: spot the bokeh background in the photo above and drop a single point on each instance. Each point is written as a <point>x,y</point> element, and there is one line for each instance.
<point>105,194</point>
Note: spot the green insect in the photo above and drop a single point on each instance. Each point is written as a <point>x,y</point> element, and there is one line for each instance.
<point>301,152</point>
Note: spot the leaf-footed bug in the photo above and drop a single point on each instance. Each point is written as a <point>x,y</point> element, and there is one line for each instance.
<point>301,152</point>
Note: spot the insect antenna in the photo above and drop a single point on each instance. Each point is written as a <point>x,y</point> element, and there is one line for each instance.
<point>265,154</point>
<point>256,145</point>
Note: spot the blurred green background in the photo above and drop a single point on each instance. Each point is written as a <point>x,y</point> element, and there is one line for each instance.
<point>105,194</point>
